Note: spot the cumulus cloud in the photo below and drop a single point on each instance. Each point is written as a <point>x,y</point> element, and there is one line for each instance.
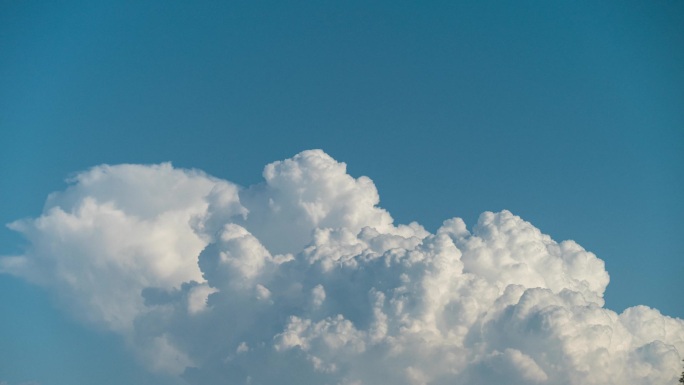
<point>303,279</point>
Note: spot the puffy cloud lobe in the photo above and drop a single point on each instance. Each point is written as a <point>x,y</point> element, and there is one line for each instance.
<point>113,232</point>
<point>506,250</point>
<point>308,192</point>
<point>302,279</point>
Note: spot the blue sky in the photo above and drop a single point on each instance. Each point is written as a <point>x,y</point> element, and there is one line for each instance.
<point>570,115</point>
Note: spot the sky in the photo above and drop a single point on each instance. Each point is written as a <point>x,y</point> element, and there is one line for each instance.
<point>568,116</point>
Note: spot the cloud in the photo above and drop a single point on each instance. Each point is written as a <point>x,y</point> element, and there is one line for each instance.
<point>115,231</point>
<point>303,279</point>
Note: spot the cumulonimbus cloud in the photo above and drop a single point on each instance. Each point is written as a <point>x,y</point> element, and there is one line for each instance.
<point>303,279</point>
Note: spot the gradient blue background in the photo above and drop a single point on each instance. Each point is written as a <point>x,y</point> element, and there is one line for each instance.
<point>570,114</point>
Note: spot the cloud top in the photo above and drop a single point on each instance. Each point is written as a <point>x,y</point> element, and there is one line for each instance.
<point>303,279</point>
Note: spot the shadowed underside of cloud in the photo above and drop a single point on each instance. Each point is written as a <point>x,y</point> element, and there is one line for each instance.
<point>303,279</point>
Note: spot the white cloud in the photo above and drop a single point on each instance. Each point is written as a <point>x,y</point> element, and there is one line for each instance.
<point>113,232</point>
<point>302,279</point>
